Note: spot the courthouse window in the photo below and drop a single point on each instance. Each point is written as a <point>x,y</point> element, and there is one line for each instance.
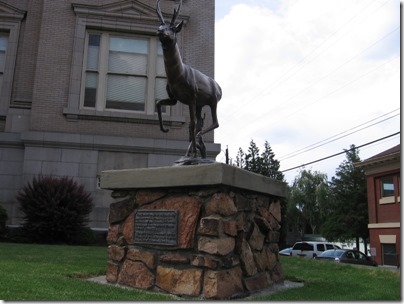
<point>123,73</point>
<point>10,25</point>
<point>3,48</point>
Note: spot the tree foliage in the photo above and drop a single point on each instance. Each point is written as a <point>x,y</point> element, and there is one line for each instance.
<point>348,209</point>
<point>308,198</point>
<point>262,163</point>
<point>337,209</point>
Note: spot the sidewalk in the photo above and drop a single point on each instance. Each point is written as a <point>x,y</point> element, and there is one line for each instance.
<point>381,267</point>
<point>390,268</point>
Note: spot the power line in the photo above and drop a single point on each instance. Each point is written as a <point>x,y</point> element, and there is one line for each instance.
<point>332,138</point>
<point>336,154</point>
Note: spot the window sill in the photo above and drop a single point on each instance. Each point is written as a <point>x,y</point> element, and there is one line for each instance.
<point>116,116</point>
<point>387,200</point>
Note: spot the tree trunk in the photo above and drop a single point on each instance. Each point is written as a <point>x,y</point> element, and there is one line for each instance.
<point>357,242</point>
<point>313,228</point>
<point>365,245</point>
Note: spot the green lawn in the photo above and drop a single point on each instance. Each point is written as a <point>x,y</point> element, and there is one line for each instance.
<point>46,272</point>
<point>56,273</point>
<point>329,281</point>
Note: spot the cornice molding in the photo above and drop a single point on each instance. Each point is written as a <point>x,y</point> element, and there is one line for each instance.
<point>124,10</point>
<point>8,11</point>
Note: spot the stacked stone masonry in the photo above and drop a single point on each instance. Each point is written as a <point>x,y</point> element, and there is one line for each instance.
<point>227,243</point>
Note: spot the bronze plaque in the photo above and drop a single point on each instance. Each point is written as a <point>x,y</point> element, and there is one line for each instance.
<point>156,227</point>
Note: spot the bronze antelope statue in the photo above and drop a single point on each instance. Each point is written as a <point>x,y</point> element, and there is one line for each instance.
<point>186,85</point>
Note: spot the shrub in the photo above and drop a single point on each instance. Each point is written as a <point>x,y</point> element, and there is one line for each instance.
<point>55,209</point>
<point>16,235</point>
<point>3,220</point>
<point>86,237</point>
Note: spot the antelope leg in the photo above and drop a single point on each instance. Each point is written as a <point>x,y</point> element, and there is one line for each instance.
<point>159,104</point>
<point>192,128</point>
<point>215,123</point>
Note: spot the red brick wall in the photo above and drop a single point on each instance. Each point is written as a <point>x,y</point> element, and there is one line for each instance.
<point>382,213</point>
<point>375,242</point>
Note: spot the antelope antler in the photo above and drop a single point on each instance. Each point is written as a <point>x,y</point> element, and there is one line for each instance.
<point>158,11</point>
<point>176,13</point>
<point>160,14</point>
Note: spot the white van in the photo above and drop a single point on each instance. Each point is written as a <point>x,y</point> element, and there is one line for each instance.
<point>310,250</point>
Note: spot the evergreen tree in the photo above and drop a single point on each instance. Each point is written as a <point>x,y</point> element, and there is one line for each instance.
<point>264,163</point>
<point>348,211</point>
<point>269,165</point>
<point>252,158</point>
<point>240,158</point>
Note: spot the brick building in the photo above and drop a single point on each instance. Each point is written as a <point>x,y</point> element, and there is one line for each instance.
<point>383,185</point>
<point>79,80</point>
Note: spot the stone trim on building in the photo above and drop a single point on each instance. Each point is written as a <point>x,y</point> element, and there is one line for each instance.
<point>10,21</point>
<point>130,17</point>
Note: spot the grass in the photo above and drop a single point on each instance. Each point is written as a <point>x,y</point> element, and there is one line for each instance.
<point>328,281</point>
<point>45,272</point>
<point>56,273</point>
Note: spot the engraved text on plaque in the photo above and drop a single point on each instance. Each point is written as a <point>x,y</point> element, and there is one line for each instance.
<point>158,227</point>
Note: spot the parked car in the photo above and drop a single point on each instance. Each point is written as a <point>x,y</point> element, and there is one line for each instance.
<point>347,256</point>
<point>310,250</point>
<point>285,251</point>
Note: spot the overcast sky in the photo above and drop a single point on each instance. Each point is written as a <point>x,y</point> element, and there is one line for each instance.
<point>308,73</point>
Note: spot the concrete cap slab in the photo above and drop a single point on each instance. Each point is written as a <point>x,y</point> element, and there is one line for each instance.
<point>194,175</point>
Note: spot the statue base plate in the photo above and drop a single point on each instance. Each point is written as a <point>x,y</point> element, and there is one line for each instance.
<point>190,161</point>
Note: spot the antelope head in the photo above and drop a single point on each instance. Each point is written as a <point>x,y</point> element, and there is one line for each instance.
<point>167,32</point>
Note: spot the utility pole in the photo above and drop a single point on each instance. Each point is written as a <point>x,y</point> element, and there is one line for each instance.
<point>227,155</point>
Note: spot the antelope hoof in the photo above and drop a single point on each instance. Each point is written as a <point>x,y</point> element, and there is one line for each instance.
<point>164,130</point>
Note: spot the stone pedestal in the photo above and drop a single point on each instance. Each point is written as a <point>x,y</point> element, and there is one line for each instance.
<point>206,231</point>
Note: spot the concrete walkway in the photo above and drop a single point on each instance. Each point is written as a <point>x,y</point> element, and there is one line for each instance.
<point>273,289</point>
<point>276,288</point>
<point>389,268</point>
